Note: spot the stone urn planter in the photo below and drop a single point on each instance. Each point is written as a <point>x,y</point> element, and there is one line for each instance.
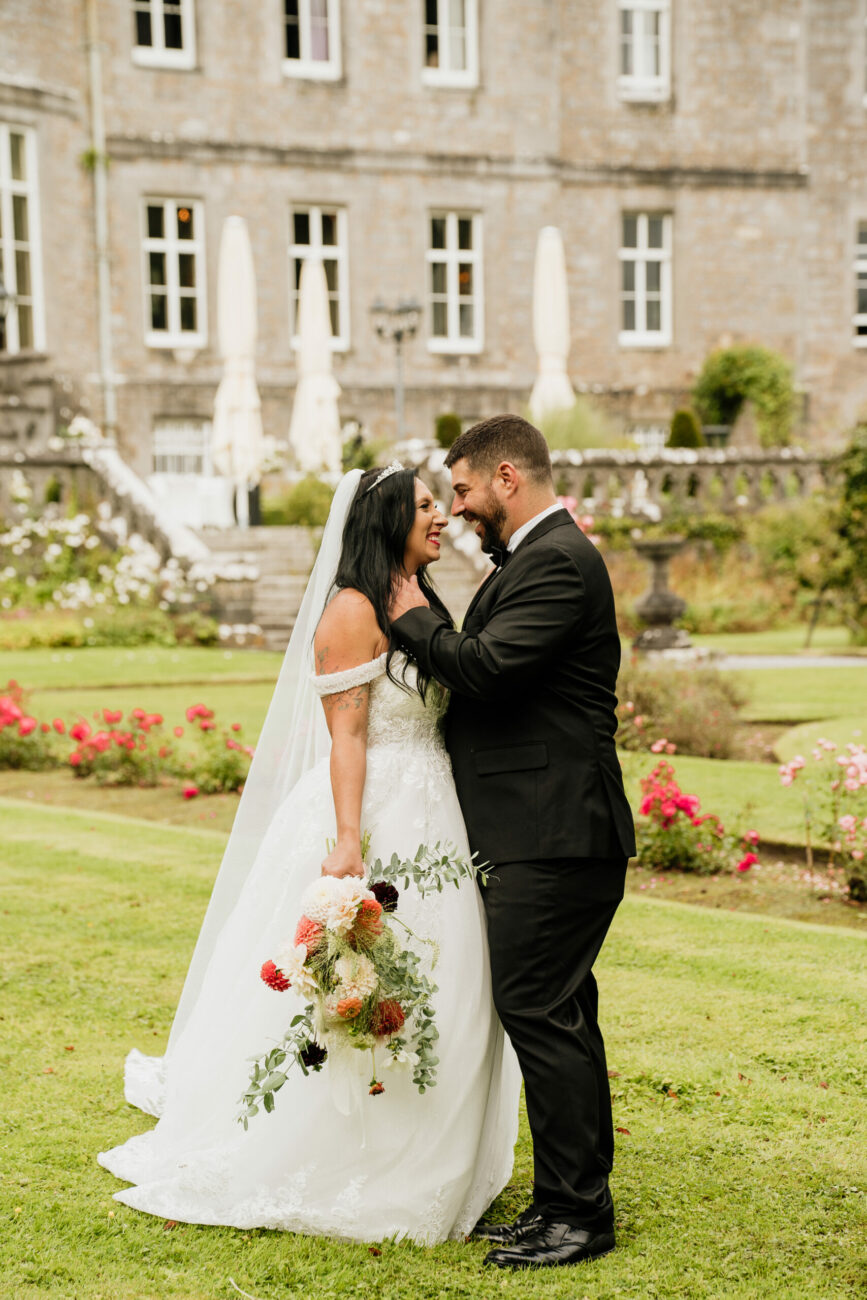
<point>659,606</point>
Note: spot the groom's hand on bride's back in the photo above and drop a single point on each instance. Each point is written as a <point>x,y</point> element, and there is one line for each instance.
<point>407,595</point>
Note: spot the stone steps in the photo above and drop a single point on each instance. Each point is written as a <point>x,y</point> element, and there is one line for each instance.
<point>284,558</point>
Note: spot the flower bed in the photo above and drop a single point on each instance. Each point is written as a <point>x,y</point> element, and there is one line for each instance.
<point>832,787</point>
<point>674,835</point>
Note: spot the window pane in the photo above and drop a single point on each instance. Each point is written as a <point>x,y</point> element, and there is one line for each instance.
<point>630,232</point>
<point>861,331</point>
<point>654,232</point>
<point>438,232</point>
<point>457,15</point>
<point>173,32</point>
<point>143,33</point>
<point>22,273</point>
<point>17,156</point>
<point>319,30</point>
<point>628,277</point>
<point>465,280</point>
<point>654,314</point>
<point>457,50</point>
<point>330,266</point>
<point>438,277</point>
<point>627,62</point>
<point>628,314</point>
<point>157,268</point>
<point>626,22</point>
<point>465,232</point>
<point>861,307</point>
<point>329,228</point>
<point>334,310</point>
<point>155,221</point>
<point>299,262</point>
<point>430,12</point>
<point>439,327</point>
<point>188,314</point>
<point>25,326</point>
<point>652,277</point>
<point>862,234</point>
<point>293,31</point>
<point>466,320</point>
<point>185,223</point>
<point>187,271</point>
<point>159,312</point>
<point>431,50</point>
<point>20,224</point>
<point>301,227</point>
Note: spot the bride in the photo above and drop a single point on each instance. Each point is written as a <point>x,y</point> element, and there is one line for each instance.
<point>351,744</point>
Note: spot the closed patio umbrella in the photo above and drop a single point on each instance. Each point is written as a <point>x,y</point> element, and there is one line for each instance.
<point>238,444</point>
<point>552,390</point>
<point>314,430</point>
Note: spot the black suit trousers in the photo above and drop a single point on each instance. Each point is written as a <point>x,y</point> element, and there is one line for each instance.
<point>546,924</point>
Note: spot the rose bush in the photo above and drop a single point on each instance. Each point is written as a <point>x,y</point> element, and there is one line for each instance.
<point>672,833</point>
<point>24,741</point>
<point>832,786</point>
<point>695,710</point>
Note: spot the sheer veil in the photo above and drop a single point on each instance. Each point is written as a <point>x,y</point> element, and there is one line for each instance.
<point>293,739</point>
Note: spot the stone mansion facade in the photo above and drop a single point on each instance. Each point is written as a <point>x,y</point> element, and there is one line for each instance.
<point>705,161</point>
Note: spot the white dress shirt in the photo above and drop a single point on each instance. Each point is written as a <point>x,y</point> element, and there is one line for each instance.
<point>520,533</point>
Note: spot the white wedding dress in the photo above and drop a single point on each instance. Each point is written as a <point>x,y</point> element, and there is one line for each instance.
<point>330,1159</point>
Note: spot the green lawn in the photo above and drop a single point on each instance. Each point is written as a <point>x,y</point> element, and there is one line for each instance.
<point>802,694</point>
<point>145,665</point>
<point>782,641</point>
<point>737,1046</point>
<point>843,731</point>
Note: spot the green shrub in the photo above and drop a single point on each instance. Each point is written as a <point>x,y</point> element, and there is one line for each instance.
<point>447,429</point>
<point>851,579</point>
<point>581,428</point>
<point>685,430</point>
<point>53,491</point>
<point>694,709</point>
<point>746,372</point>
<point>307,503</point>
<point>359,454</point>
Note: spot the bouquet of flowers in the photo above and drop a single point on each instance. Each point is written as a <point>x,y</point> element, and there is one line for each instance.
<point>364,988</point>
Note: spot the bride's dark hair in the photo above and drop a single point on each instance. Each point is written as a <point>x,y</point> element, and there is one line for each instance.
<point>372,551</point>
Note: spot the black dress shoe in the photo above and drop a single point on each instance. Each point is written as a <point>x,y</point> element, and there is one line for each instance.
<point>552,1244</point>
<point>505,1234</point>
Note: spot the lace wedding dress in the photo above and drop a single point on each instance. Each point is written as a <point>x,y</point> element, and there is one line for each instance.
<point>330,1159</point>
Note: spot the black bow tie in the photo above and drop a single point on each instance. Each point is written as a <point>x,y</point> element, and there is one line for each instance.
<point>500,555</point>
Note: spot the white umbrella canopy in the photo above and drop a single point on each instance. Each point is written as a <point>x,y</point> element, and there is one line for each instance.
<point>238,443</point>
<point>314,430</point>
<point>552,390</point>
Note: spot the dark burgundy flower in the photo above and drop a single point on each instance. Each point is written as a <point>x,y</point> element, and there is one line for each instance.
<point>385,895</point>
<point>312,1056</point>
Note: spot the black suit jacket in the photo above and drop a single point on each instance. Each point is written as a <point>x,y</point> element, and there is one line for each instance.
<point>531,721</point>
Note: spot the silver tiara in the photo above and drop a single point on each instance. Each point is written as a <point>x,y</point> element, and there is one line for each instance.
<point>393,468</point>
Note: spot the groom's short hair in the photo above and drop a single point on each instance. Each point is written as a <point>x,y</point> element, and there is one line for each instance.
<point>503,437</point>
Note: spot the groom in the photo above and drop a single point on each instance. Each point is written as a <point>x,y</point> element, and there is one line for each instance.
<point>530,730</point>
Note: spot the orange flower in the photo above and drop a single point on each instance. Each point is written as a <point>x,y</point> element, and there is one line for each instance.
<point>348,1008</point>
<point>370,916</point>
<point>308,933</point>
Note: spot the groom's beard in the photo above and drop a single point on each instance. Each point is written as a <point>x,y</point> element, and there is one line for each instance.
<point>492,522</point>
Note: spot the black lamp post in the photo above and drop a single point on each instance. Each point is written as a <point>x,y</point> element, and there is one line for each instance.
<point>398,324</point>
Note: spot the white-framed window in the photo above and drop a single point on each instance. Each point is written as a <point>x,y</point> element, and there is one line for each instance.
<point>311,41</point>
<point>645,49</point>
<point>182,447</point>
<point>174,274</point>
<point>645,279</point>
<point>322,231</point>
<point>859,320</point>
<point>456,306</point>
<point>451,43</point>
<point>164,34</point>
<point>22,329</point>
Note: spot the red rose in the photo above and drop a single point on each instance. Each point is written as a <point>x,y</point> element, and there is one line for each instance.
<point>80,731</point>
<point>74,758</point>
<point>59,726</point>
<point>190,791</point>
